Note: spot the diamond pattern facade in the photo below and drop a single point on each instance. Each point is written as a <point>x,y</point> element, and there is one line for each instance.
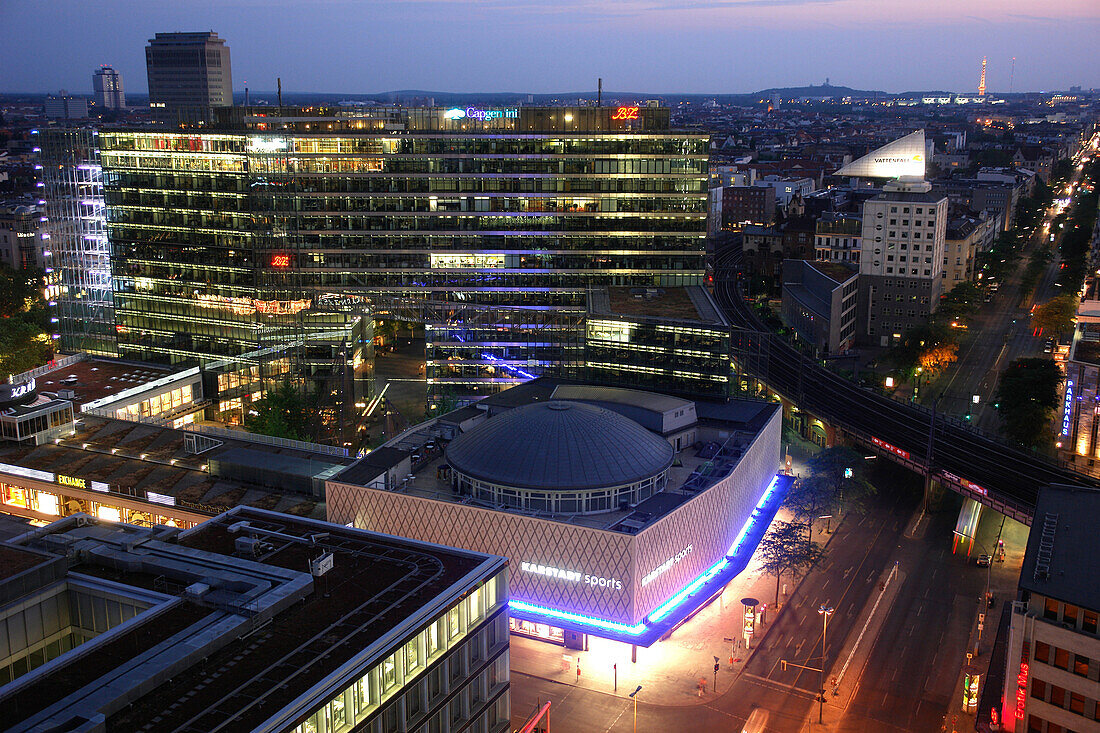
<point>709,523</point>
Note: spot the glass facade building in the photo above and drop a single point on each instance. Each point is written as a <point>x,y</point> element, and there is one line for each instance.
<point>487,225</point>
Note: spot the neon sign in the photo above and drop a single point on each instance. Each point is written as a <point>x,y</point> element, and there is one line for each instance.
<point>76,483</point>
<point>891,448</point>
<point>280,260</point>
<point>571,575</point>
<point>1067,407</point>
<point>484,115</point>
<point>1021,691</point>
<point>666,565</point>
<point>625,113</point>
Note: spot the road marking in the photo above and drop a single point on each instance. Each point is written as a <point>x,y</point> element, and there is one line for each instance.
<point>919,609</point>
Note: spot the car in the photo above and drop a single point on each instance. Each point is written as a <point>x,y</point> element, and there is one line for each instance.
<point>984,561</point>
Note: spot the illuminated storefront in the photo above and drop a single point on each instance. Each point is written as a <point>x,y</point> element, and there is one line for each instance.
<point>629,572</point>
<point>43,496</point>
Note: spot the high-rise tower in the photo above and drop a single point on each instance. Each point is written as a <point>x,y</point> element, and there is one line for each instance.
<point>107,85</point>
<point>981,84</point>
<point>188,71</point>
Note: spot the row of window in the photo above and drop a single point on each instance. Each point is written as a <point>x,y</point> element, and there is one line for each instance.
<point>401,670</point>
<point>1066,699</point>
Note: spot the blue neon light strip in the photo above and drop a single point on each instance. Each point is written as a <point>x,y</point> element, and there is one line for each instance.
<point>757,514</point>
<point>497,360</point>
<point>760,513</point>
<point>577,618</point>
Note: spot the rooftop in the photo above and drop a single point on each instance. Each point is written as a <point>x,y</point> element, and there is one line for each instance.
<point>693,469</point>
<point>93,379</point>
<point>134,459</point>
<point>691,303</point>
<point>1063,531</point>
<point>835,271</point>
<point>254,622</point>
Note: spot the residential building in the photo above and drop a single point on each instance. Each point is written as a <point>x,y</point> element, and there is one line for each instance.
<point>61,106</point>
<point>107,86</point>
<point>762,249</point>
<point>256,621</point>
<point>838,237</point>
<point>743,205</point>
<point>820,303</point>
<point>901,262</point>
<point>486,226</point>
<point>786,188</point>
<point>995,197</point>
<point>1051,678</point>
<point>188,71</point>
<point>965,238</point>
<point>1038,160</point>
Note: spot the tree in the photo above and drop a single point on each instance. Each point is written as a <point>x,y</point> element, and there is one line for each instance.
<point>936,356</point>
<point>843,470</point>
<point>1056,315</point>
<point>1027,394</point>
<point>810,498</point>
<point>282,413</point>
<point>19,291</point>
<point>785,551</point>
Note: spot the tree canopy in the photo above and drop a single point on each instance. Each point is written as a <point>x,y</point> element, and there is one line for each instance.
<point>785,550</point>
<point>1056,315</point>
<point>1027,394</point>
<point>282,413</point>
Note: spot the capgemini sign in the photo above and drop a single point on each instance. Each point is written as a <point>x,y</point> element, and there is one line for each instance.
<point>484,115</point>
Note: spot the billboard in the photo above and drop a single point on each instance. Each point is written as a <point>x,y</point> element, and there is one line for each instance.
<point>903,157</point>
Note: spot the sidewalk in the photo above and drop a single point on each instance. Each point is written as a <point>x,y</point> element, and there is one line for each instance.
<point>669,671</point>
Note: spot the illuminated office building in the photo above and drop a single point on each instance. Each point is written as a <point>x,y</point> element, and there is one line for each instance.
<point>486,225</point>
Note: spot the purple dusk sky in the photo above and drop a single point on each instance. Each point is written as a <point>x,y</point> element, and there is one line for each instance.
<point>703,46</point>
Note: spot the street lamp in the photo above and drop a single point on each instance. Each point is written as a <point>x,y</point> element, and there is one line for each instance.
<point>634,697</point>
<point>825,614</point>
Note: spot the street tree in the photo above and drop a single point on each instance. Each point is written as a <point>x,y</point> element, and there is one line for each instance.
<point>785,551</point>
<point>844,470</point>
<point>810,498</point>
<point>1027,394</point>
<point>1056,315</point>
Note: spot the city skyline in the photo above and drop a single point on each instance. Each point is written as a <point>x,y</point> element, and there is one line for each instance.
<point>636,45</point>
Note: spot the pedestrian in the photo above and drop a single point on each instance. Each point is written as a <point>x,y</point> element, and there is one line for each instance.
<point>702,686</point>
<point>578,671</point>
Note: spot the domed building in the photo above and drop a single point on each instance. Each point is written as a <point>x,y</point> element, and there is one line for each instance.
<point>561,457</point>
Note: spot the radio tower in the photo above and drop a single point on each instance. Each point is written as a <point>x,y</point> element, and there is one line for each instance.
<point>981,84</point>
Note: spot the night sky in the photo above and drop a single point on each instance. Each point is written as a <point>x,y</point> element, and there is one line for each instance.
<point>703,46</point>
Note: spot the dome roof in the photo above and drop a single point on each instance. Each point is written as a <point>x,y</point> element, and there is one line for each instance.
<point>559,445</point>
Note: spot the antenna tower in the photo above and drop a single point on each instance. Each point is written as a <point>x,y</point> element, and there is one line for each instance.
<point>981,84</point>
<point>1012,75</point>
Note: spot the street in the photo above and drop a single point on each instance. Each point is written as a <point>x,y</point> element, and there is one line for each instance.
<point>923,637</point>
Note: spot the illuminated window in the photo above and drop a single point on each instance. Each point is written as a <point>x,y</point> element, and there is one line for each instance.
<point>109,513</point>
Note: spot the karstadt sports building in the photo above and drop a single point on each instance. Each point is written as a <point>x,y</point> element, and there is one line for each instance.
<point>621,511</point>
